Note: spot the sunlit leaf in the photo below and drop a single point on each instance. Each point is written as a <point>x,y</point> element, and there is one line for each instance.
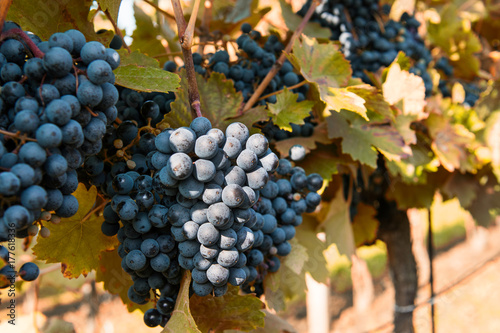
<point>77,241</point>
<point>146,78</point>
<point>365,225</point>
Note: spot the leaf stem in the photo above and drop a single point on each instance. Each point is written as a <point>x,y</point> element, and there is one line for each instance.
<point>20,34</point>
<point>194,94</point>
<point>277,65</point>
<point>117,30</point>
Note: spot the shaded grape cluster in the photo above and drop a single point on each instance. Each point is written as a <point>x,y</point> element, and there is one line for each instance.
<point>368,42</point>
<point>53,114</point>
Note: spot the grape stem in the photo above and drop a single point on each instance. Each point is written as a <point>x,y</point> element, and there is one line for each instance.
<point>300,84</point>
<point>15,135</point>
<point>115,26</point>
<point>277,65</point>
<point>194,94</point>
<point>163,12</point>
<point>4,8</point>
<point>20,34</point>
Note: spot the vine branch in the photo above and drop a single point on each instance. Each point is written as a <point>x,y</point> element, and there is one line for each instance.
<point>277,65</point>
<point>194,94</point>
<point>117,30</point>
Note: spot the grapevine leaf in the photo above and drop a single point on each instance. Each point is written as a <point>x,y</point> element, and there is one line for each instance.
<point>450,142</point>
<point>455,37</point>
<point>463,186</point>
<point>401,6</point>
<point>299,255</point>
<point>287,110</point>
<point>307,237</point>
<point>412,170</point>
<point>492,136</point>
<point>252,116</point>
<point>241,10</point>
<point>343,99</point>
<point>374,101</point>
<point>319,135</point>
<point>45,18</point>
<point>182,320</point>
<point>402,87</point>
<point>145,34</point>
<point>116,280</point>
<point>219,103</point>
<point>487,200</point>
<point>292,21</point>
<point>365,225</point>
<point>81,235</point>
<point>112,6</point>
<point>489,101</point>
<point>322,64</point>
<point>324,160</point>
<point>234,311</point>
<point>326,67</point>
<point>416,195</point>
<point>337,225</point>
<point>275,324</point>
<point>360,138</point>
<point>137,58</point>
<point>146,78</point>
<point>283,285</point>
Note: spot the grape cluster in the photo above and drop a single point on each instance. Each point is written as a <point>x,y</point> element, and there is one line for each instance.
<point>368,43</point>
<point>202,208</point>
<point>53,114</point>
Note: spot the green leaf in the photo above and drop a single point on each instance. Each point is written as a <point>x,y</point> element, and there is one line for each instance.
<point>337,225</point>
<point>320,135</point>
<point>182,320</point>
<point>241,10</point>
<point>374,101</point>
<point>145,35</point>
<point>81,236</point>
<point>360,138</point>
<point>287,110</point>
<point>252,116</point>
<point>462,186</point>
<point>112,6</point>
<point>292,21</point>
<point>307,237</point>
<point>231,311</point>
<point>115,280</point>
<point>416,195</point>
<point>365,225</point>
<point>453,34</point>
<point>137,58</point>
<point>325,161</point>
<point>219,103</point>
<point>45,18</point>
<point>146,78</point>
